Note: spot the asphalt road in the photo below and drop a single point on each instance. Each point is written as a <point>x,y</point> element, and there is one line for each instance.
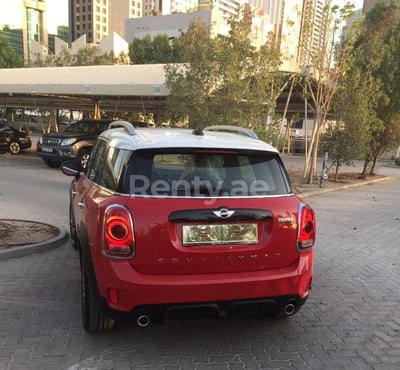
<point>351,320</point>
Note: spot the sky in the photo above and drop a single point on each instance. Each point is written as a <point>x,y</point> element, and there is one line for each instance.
<point>57,13</point>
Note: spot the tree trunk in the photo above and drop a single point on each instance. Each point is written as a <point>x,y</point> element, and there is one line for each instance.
<point>365,168</point>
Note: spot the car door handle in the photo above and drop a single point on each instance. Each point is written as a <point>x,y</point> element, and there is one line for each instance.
<point>81,204</point>
<point>73,193</point>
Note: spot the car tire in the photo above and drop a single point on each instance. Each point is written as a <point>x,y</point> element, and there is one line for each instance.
<point>83,156</point>
<point>72,230</point>
<point>50,163</point>
<point>14,147</point>
<point>93,320</point>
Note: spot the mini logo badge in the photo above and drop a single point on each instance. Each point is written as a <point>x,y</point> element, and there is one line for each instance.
<point>224,213</point>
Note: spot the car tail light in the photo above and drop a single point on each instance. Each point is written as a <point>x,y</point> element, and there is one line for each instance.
<point>307,227</point>
<point>118,233</point>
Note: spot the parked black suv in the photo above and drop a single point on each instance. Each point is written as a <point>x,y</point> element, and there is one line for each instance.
<point>75,142</point>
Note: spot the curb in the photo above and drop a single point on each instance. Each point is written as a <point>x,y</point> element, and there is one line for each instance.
<point>28,249</point>
<point>341,187</point>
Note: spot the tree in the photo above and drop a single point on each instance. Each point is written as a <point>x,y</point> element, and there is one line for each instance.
<point>327,66</point>
<point>88,55</point>
<point>141,50</point>
<point>9,57</point>
<point>160,49</point>
<point>192,83</point>
<point>92,55</point>
<point>223,80</point>
<point>248,77</point>
<point>371,86</point>
<point>342,145</point>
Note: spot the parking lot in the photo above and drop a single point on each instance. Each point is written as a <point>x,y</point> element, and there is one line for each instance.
<point>351,320</point>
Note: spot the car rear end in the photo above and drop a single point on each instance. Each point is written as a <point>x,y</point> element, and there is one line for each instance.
<point>206,231</point>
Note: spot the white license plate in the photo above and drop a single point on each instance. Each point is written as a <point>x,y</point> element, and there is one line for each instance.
<point>219,234</point>
<point>46,149</point>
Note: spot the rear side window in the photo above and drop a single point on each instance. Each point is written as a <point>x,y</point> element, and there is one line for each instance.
<point>106,165</point>
<point>188,173</point>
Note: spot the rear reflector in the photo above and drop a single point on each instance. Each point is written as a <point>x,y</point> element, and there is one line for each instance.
<point>113,296</point>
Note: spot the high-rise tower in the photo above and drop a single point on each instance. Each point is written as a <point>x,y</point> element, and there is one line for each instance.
<point>34,23</point>
<point>98,18</point>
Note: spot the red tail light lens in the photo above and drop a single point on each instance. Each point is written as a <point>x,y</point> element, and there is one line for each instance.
<point>118,233</point>
<point>307,227</point>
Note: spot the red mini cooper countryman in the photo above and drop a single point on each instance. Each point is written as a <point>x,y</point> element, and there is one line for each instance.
<point>175,223</point>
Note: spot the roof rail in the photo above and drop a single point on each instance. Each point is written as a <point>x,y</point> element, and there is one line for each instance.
<point>127,126</point>
<point>233,129</point>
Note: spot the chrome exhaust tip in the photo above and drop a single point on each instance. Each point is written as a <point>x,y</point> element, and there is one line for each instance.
<point>289,309</point>
<point>143,321</point>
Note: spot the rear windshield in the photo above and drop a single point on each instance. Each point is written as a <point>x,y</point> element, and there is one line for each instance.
<point>188,173</point>
<point>87,127</point>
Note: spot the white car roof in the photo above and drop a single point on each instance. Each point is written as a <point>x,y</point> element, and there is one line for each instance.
<point>152,138</point>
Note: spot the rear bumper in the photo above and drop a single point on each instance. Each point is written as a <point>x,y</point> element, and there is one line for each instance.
<point>138,292</point>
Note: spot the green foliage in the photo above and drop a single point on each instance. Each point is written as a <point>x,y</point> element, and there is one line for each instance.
<point>271,134</point>
<point>342,145</point>
<point>193,83</point>
<point>9,57</point>
<point>323,68</point>
<point>154,50</point>
<point>224,80</point>
<point>86,56</point>
<point>140,50</point>
<point>371,90</point>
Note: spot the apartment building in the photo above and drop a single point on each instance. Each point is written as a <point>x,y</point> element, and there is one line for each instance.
<point>13,37</point>
<point>98,18</point>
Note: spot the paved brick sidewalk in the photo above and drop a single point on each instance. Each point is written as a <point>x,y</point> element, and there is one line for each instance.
<point>351,320</point>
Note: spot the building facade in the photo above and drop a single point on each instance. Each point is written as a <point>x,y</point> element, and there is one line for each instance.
<point>34,21</point>
<point>14,38</point>
<point>172,25</point>
<point>98,18</point>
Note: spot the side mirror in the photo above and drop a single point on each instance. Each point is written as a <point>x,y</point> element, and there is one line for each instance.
<point>71,168</point>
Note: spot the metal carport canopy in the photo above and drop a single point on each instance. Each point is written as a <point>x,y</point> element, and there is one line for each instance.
<point>113,87</point>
